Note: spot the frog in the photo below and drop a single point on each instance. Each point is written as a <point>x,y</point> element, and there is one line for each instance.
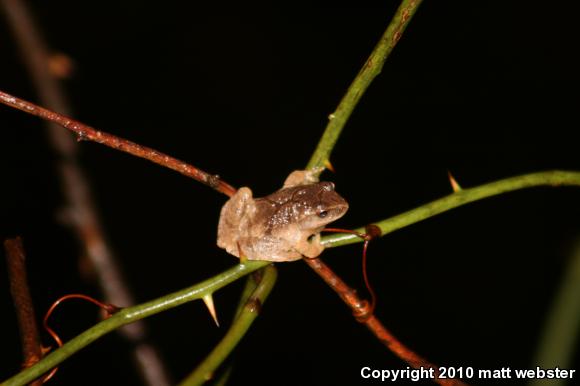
<point>283,226</point>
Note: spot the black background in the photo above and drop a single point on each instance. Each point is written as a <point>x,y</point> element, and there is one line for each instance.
<point>485,89</point>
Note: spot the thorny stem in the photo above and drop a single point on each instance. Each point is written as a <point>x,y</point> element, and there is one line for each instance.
<point>129,315</point>
<point>361,309</point>
<point>362,81</point>
<point>363,313</point>
<point>244,319</point>
<point>462,197</point>
<point>82,216</point>
<point>87,133</point>
<point>338,119</point>
<point>16,262</point>
<point>236,332</point>
<point>368,72</point>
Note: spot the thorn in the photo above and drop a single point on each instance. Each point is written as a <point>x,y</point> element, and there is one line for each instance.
<point>208,300</point>
<point>454,184</point>
<point>329,166</point>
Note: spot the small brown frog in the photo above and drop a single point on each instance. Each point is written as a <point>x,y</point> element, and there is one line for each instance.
<point>283,226</point>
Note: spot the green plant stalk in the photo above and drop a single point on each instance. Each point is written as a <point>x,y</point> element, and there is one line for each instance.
<point>249,288</point>
<point>246,317</point>
<point>367,73</point>
<point>338,119</point>
<point>556,347</point>
<point>462,197</point>
<point>224,377</point>
<point>129,315</point>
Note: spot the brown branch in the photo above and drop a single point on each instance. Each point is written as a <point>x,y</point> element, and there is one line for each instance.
<point>83,217</point>
<point>363,313</point>
<point>29,337</point>
<point>87,133</point>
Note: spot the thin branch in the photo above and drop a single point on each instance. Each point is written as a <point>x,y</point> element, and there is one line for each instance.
<point>82,218</point>
<point>246,316</point>
<point>130,315</point>
<point>368,72</point>
<point>29,337</point>
<point>363,313</point>
<point>462,197</point>
<point>87,133</point>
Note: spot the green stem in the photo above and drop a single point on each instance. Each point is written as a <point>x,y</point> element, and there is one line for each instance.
<point>249,288</point>
<point>361,82</point>
<point>558,341</point>
<point>129,315</point>
<point>462,197</point>
<point>244,320</point>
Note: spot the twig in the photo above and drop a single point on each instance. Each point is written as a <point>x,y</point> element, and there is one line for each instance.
<point>83,218</point>
<point>16,261</point>
<point>130,315</point>
<point>462,197</point>
<point>362,81</point>
<point>363,313</point>
<point>244,319</point>
<point>87,133</point>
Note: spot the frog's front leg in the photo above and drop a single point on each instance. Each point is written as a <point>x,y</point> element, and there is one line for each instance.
<point>310,246</point>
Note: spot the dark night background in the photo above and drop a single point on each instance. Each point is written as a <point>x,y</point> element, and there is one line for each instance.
<point>485,89</point>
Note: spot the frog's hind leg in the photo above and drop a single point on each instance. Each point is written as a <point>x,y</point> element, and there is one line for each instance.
<point>311,247</point>
<point>303,177</point>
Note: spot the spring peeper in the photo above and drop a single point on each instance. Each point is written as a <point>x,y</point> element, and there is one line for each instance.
<point>284,226</point>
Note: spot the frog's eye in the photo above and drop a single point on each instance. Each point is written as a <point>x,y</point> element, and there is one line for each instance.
<point>323,213</point>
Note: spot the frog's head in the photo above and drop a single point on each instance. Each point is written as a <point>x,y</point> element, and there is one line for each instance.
<point>319,205</point>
